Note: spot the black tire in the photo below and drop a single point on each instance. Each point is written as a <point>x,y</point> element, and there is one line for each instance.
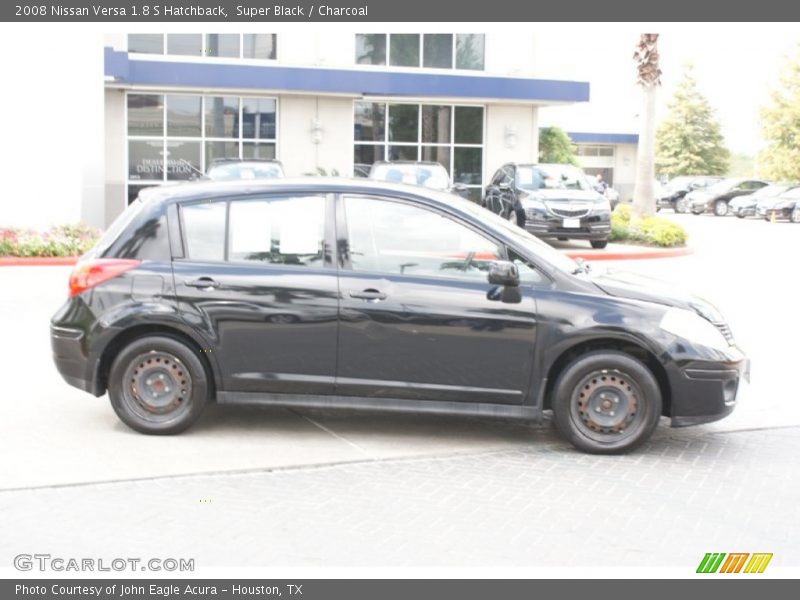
<point>562,239</point>
<point>598,244</point>
<point>590,423</point>
<point>679,206</point>
<point>158,385</point>
<point>721,208</point>
<point>740,214</point>
<point>795,216</point>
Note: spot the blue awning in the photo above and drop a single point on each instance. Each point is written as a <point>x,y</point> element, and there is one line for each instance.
<point>121,68</point>
<point>584,137</point>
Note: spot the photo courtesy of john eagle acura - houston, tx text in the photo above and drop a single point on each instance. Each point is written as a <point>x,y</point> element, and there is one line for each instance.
<point>334,293</point>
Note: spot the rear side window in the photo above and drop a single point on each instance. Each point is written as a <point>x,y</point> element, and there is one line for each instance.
<point>204,231</point>
<point>278,230</point>
<point>118,226</point>
<point>281,230</point>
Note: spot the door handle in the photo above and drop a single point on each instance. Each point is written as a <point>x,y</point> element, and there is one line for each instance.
<point>203,283</point>
<point>368,294</point>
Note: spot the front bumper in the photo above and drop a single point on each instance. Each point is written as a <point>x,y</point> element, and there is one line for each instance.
<point>590,227</point>
<point>704,391</point>
<point>745,211</point>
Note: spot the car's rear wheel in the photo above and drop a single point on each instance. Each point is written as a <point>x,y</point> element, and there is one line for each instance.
<point>599,244</point>
<point>720,208</point>
<point>158,385</point>
<point>795,216</point>
<point>606,402</point>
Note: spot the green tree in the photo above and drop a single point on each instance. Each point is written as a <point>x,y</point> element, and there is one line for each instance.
<point>689,140</point>
<point>780,126</point>
<point>556,147</point>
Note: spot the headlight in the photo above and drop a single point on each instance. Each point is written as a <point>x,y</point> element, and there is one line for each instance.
<point>534,206</point>
<point>694,328</point>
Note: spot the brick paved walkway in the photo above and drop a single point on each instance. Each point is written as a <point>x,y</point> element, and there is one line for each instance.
<point>685,493</point>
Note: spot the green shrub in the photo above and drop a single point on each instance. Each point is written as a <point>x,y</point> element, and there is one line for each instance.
<point>61,240</point>
<point>650,231</point>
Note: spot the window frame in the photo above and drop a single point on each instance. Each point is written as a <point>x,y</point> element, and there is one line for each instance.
<point>329,250</point>
<point>204,47</point>
<point>343,238</point>
<point>202,139</point>
<point>421,52</point>
<point>419,144</point>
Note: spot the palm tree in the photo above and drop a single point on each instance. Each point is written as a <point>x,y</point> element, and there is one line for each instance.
<point>649,77</point>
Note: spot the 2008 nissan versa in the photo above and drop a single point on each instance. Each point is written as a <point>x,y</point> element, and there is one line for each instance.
<point>356,294</point>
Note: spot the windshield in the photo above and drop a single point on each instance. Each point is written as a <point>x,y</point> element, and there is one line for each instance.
<point>522,237</point>
<point>679,183</point>
<point>430,176</point>
<point>723,186</point>
<point>233,171</point>
<point>771,191</point>
<point>561,177</point>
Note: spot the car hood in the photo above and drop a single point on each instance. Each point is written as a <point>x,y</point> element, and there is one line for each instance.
<point>564,195</point>
<point>633,286</point>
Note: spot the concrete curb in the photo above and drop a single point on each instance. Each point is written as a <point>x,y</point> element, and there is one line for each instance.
<point>37,261</point>
<point>640,252</point>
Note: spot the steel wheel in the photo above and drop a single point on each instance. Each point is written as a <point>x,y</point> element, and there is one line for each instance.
<point>605,405</point>
<point>606,402</point>
<point>157,386</point>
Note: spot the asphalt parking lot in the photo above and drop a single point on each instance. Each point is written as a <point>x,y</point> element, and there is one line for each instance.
<point>364,489</point>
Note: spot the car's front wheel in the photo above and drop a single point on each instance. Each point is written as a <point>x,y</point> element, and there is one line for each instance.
<point>599,244</point>
<point>720,208</point>
<point>158,385</point>
<point>680,206</point>
<point>795,216</point>
<point>606,402</point>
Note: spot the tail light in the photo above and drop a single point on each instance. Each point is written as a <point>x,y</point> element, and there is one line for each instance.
<point>95,271</point>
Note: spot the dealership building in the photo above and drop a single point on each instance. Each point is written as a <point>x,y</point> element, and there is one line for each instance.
<point>332,103</point>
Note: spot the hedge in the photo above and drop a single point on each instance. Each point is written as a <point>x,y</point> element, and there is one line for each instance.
<point>650,231</point>
<point>61,240</point>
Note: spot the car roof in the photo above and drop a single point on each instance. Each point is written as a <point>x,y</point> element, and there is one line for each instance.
<point>230,160</point>
<point>205,190</point>
<point>429,163</point>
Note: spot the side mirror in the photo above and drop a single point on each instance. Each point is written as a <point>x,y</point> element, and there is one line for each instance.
<point>504,273</point>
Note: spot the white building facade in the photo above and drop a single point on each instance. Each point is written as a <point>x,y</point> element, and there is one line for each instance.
<point>320,103</point>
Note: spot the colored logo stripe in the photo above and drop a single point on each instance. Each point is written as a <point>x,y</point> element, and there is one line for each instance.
<point>710,562</point>
<point>758,563</point>
<point>713,562</point>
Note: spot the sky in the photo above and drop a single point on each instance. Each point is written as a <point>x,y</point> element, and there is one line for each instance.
<point>735,66</point>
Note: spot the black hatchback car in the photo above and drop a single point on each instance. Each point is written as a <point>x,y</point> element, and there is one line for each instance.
<point>550,201</point>
<point>355,294</point>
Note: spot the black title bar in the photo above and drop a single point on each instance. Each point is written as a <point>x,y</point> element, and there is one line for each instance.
<point>266,11</point>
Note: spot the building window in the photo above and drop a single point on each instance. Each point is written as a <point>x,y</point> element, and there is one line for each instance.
<point>451,135</point>
<point>215,45</point>
<point>429,50</point>
<point>176,137</point>
<point>594,150</point>
<point>146,43</point>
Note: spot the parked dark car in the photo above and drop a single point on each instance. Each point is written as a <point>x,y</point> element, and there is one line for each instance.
<point>747,205</point>
<point>431,175</point>
<point>230,169</point>
<point>672,194</point>
<point>548,200</point>
<point>715,198</point>
<point>786,207</point>
<point>356,294</point>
